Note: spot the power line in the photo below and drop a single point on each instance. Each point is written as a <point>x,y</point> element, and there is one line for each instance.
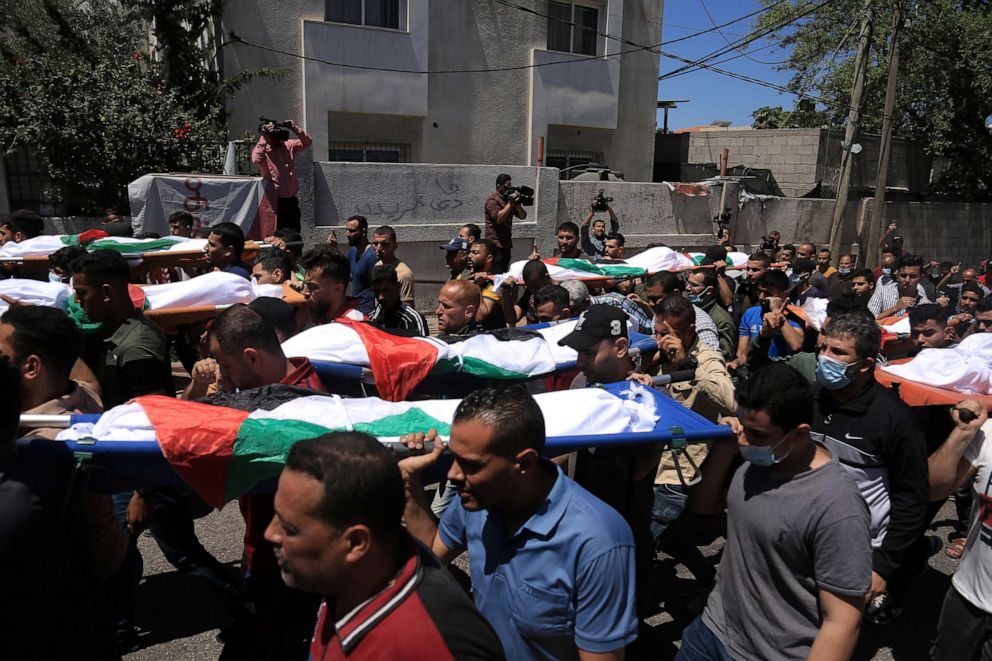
<point>809,8</point>
<point>744,53</point>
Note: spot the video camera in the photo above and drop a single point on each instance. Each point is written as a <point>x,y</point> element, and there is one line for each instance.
<point>601,202</point>
<point>768,244</point>
<point>280,132</point>
<point>522,194</point>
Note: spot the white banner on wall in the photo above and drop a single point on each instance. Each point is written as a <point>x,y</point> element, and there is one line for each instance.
<point>211,199</point>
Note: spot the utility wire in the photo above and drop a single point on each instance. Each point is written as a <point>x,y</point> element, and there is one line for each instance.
<point>706,10</point>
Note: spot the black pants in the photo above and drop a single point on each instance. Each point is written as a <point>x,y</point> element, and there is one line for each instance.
<point>964,632</point>
<point>502,262</point>
<point>288,214</point>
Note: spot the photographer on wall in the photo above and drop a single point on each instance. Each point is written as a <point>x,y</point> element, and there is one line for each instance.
<point>274,157</point>
<point>501,208</point>
<point>594,241</point>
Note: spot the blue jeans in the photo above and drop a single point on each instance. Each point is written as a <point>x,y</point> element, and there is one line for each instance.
<point>701,644</point>
<point>671,530</point>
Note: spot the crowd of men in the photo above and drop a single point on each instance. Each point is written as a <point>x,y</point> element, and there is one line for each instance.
<point>825,497</point>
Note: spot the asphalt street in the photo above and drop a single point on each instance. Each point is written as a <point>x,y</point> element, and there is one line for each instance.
<point>179,617</point>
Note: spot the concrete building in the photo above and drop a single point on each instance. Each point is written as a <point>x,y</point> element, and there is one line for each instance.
<point>599,108</point>
<point>791,162</point>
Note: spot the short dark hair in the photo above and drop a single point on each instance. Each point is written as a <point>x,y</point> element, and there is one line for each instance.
<point>788,246</point>
<point>102,266</point>
<point>668,281</point>
<point>513,415</point>
<point>709,277</point>
<point>183,218</point>
<point>64,257</point>
<point>906,259</point>
<point>760,257</point>
<point>984,305</point>
<point>865,332</point>
<point>331,263</point>
<point>473,230</point>
<point>231,236</point>
<point>385,230</point>
<point>826,250</point>
<point>534,267</point>
<point>10,403</point>
<point>277,259</point>
<point>551,294</point>
<point>384,273</point>
<point>277,312</point>
<point>781,392</point>
<point>45,332</point>
<point>240,327</point>
<point>771,279</point>
<point>921,314</point>
<point>618,237</point>
<point>362,483</point>
<point>26,222</point>
<point>490,247</point>
<point>363,223</point>
<point>973,287</point>
<point>867,274</point>
<point>502,179</point>
<point>888,249</point>
<point>676,307</point>
<point>847,304</point>
<point>568,226</point>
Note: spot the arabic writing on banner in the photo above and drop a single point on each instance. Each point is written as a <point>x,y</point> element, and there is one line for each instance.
<point>210,199</point>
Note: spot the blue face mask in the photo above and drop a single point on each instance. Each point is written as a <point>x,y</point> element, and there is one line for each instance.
<point>843,271</point>
<point>54,277</point>
<point>763,455</point>
<point>886,271</point>
<point>831,373</point>
<point>695,299</point>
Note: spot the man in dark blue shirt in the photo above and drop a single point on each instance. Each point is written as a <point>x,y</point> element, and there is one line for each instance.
<point>225,243</point>
<point>361,259</point>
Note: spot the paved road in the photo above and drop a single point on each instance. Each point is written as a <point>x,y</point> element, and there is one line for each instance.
<point>179,617</point>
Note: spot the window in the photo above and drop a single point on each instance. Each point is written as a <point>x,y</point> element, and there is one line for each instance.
<point>374,13</point>
<point>569,159</point>
<point>362,152</point>
<point>573,28</point>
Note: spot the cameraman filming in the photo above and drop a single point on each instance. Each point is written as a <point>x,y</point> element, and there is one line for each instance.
<point>501,207</point>
<point>274,157</point>
<point>594,242</point>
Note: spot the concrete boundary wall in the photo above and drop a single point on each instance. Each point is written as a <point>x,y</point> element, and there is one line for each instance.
<point>426,204</point>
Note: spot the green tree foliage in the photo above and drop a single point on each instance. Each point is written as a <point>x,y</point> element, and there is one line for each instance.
<point>803,116</point>
<point>945,85</point>
<point>103,98</point>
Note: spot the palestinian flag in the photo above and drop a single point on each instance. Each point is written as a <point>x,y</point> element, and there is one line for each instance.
<point>399,364</point>
<point>224,451</point>
<point>45,245</point>
<point>561,269</point>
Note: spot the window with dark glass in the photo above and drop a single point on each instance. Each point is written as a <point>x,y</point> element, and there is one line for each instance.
<point>573,28</point>
<point>375,13</point>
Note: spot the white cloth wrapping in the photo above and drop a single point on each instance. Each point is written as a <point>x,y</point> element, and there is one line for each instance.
<point>48,294</point>
<point>966,368</point>
<point>581,412</point>
<point>215,288</point>
<point>340,344</point>
<point>43,246</point>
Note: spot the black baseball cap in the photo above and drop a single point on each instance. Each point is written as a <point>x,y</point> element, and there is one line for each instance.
<point>714,254</point>
<point>598,323</point>
<point>457,243</point>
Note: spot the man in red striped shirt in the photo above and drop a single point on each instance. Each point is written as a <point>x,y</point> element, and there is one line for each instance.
<point>337,532</point>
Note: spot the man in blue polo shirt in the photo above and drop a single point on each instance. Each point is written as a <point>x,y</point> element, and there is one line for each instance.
<point>552,567</point>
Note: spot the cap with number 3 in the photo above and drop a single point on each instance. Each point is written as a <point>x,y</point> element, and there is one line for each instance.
<point>598,323</point>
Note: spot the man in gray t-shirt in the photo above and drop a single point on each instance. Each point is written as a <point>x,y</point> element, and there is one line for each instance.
<point>797,563</point>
